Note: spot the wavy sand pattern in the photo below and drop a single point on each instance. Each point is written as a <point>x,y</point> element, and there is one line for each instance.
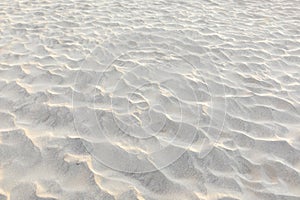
<point>149,100</point>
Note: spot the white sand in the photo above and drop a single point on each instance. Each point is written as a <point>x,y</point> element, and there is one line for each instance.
<point>167,100</point>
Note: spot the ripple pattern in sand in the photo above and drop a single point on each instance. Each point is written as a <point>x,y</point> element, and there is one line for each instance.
<point>217,82</point>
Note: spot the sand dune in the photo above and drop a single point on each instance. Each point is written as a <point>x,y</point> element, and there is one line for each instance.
<point>149,100</point>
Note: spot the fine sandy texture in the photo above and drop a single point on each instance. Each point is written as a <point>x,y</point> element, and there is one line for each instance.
<point>166,100</point>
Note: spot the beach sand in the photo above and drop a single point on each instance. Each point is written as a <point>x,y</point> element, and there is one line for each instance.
<point>138,99</point>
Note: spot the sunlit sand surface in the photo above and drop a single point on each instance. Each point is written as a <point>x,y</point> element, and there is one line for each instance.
<point>149,100</point>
